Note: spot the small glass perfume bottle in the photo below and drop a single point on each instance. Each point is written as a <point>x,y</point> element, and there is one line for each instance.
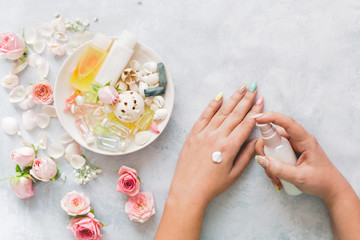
<point>144,121</point>
<point>90,96</point>
<point>97,115</point>
<point>82,109</point>
<point>100,130</point>
<point>85,130</point>
<point>116,128</point>
<point>110,143</point>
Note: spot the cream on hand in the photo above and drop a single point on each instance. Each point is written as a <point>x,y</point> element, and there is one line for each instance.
<point>279,147</point>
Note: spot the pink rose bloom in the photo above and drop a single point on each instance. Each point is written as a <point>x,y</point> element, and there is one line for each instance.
<point>86,228</point>
<point>108,95</point>
<point>42,92</point>
<point>22,186</point>
<point>43,169</point>
<point>11,45</point>
<point>23,156</point>
<point>128,182</point>
<point>140,207</point>
<point>75,203</point>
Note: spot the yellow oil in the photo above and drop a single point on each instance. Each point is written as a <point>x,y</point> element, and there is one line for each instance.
<point>112,117</point>
<point>87,68</point>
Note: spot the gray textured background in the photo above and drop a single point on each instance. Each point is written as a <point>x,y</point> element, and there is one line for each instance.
<point>304,56</point>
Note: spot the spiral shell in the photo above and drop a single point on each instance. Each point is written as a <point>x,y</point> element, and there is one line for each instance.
<point>150,67</point>
<point>161,114</point>
<point>154,107</point>
<point>159,101</point>
<point>142,87</point>
<point>129,76</point>
<point>141,138</point>
<point>148,101</point>
<point>151,79</point>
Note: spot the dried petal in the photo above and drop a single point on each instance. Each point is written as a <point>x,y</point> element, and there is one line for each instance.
<point>72,149</point>
<point>42,68</point>
<point>33,59</point>
<point>77,161</point>
<point>57,50</point>
<point>56,150</point>
<point>81,37</point>
<point>30,35</point>
<point>46,29</point>
<point>19,66</point>
<point>27,103</point>
<point>43,120</point>
<point>41,140</point>
<point>63,37</point>
<point>39,46</point>
<point>71,46</point>
<point>17,94</point>
<point>66,138</point>
<point>10,125</point>
<point>29,119</point>
<point>59,24</point>
<point>49,110</point>
<point>10,81</point>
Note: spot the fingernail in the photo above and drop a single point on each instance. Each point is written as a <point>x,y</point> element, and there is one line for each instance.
<point>259,115</point>
<point>260,100</point>
<point>253,87</point>
<point>262,161</point>
<point>242,89</point>
<point>218,96</point>
<point>277,188</point>
<point>275,185</point>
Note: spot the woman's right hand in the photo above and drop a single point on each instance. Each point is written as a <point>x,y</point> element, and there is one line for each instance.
<point>314,173</point>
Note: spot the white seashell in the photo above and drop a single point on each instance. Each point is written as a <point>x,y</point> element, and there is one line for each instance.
<point>17,94</point>
<point>56,150</point>
<point>135,65</point>
<point>27,103</point>
<point>142,87</point>
<point>141,138</point>
<point>72,149</point>
<point>148,101</point>
<point>150,67</point>
<point>151,79</point>
<point>29,119</point>
<point>129,76</point>
<point>43,120</point>
<point>46,29</point>
<point>10,81</point>
<point>159,101</point>
<point>161,114</point>
<point>49,110</point>
<point>134,87</point>
<point>41,140</point>
<point>154,107</point>
<point>10,125</point>
<point>19,66</point>
<point>122,86</point>
<point>77,161</point>
<point>30,35</point>
<point>66,138</point>
<point>39,46</point>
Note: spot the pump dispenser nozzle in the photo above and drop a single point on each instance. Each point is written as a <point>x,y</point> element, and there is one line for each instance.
<point>269,134</point>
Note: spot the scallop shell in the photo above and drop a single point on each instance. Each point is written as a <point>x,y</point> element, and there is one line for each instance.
<point>154,107</point>
<point>151,79</point>
<point>148,101</point>
<point>56,150</point>
<point>161,114</point>
<point>142,87</point>
<point>10,81</point>
<point>17,94</point>
<point>10,125</point>
<point>122,86</point>
<point>141,138</point>
<point>135,65</point>
<point>150,67</point>
<point>159,101</point>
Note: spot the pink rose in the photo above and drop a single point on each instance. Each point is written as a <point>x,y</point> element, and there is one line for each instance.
<point>22,186</point>
<point>108,95</point>
<point>140,207</point>
<point>128,182</point>
<point>42,92</point>
<point>75,203</point>
<point>86,228</point>
<point>23,156</point>
<point>11,45</point>
<point>43,169</point>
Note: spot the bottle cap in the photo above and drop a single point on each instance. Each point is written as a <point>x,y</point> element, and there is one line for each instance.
<point>102,41</point>
<point>269,134</point>
<point>126,39</point>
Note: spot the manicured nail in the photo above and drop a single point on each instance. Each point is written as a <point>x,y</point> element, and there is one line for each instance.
<point>260,100</point>
<point>275,185</point>
<point>259,115</point>
<point>262,161</point>
<point>218,96</point>
<point>242,89</point>
<point>253,87</point>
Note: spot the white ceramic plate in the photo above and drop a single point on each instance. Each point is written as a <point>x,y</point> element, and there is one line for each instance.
<point>63,90</point>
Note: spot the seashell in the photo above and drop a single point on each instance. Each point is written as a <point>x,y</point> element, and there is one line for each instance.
<point>27,103</point>
<point>141,138</point>
<point>161,114</point>
<point>39,46</point>
<point>30,35</point>
<point>134,88</point>
<point>150,67</point>
<point>135,65</point>
<point>29,119</point>
<point>10,81</point>
<point>129,76</point>
<point>148,101</point>
<point>46,29</point>
<point>43,120</point>
<point>66,138</point>
<point>72,149</point>
<point>56,150</point>
<point>122,86</point>
<point>159,101</point>
<point>10,125</point>
<point>77,161</point>
<point>154,107</point>
<point>19,66</point>
<point>151,79</point>
<point>49,110</point>
<point>41,140</point>
<point>17,94</point>
<point>142,87</point>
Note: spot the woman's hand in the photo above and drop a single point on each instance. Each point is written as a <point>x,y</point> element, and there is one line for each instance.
<point>197,178</point>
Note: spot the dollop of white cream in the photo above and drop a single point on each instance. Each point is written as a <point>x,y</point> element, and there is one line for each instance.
<point>217,157</point>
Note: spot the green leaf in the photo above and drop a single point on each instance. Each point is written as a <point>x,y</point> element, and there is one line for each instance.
<point>26,170</point>
<point>95,87</point>
<point>92,211</point>
<point>70,217</point>
<point>18,169</point>
<point>108,84</point>
<point>102,224</point>
<point>28,176</point>
<point>57,176</point>
<point>97,99</point>
<point>35,150</point>
<point>22,58</point>
<point>140,180</point>
<point>15,180</point>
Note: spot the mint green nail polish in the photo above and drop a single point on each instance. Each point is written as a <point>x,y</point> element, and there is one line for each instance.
<point>253,87</point>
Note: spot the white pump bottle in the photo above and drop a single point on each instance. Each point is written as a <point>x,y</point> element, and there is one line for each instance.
<point>279,147</point>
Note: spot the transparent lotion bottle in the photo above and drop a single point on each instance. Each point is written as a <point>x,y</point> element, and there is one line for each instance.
<point>279,147</point>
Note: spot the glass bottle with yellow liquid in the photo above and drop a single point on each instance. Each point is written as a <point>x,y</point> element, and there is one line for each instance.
<point>90,62</point>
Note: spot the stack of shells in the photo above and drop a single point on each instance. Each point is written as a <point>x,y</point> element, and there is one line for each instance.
<point>137,112</point>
